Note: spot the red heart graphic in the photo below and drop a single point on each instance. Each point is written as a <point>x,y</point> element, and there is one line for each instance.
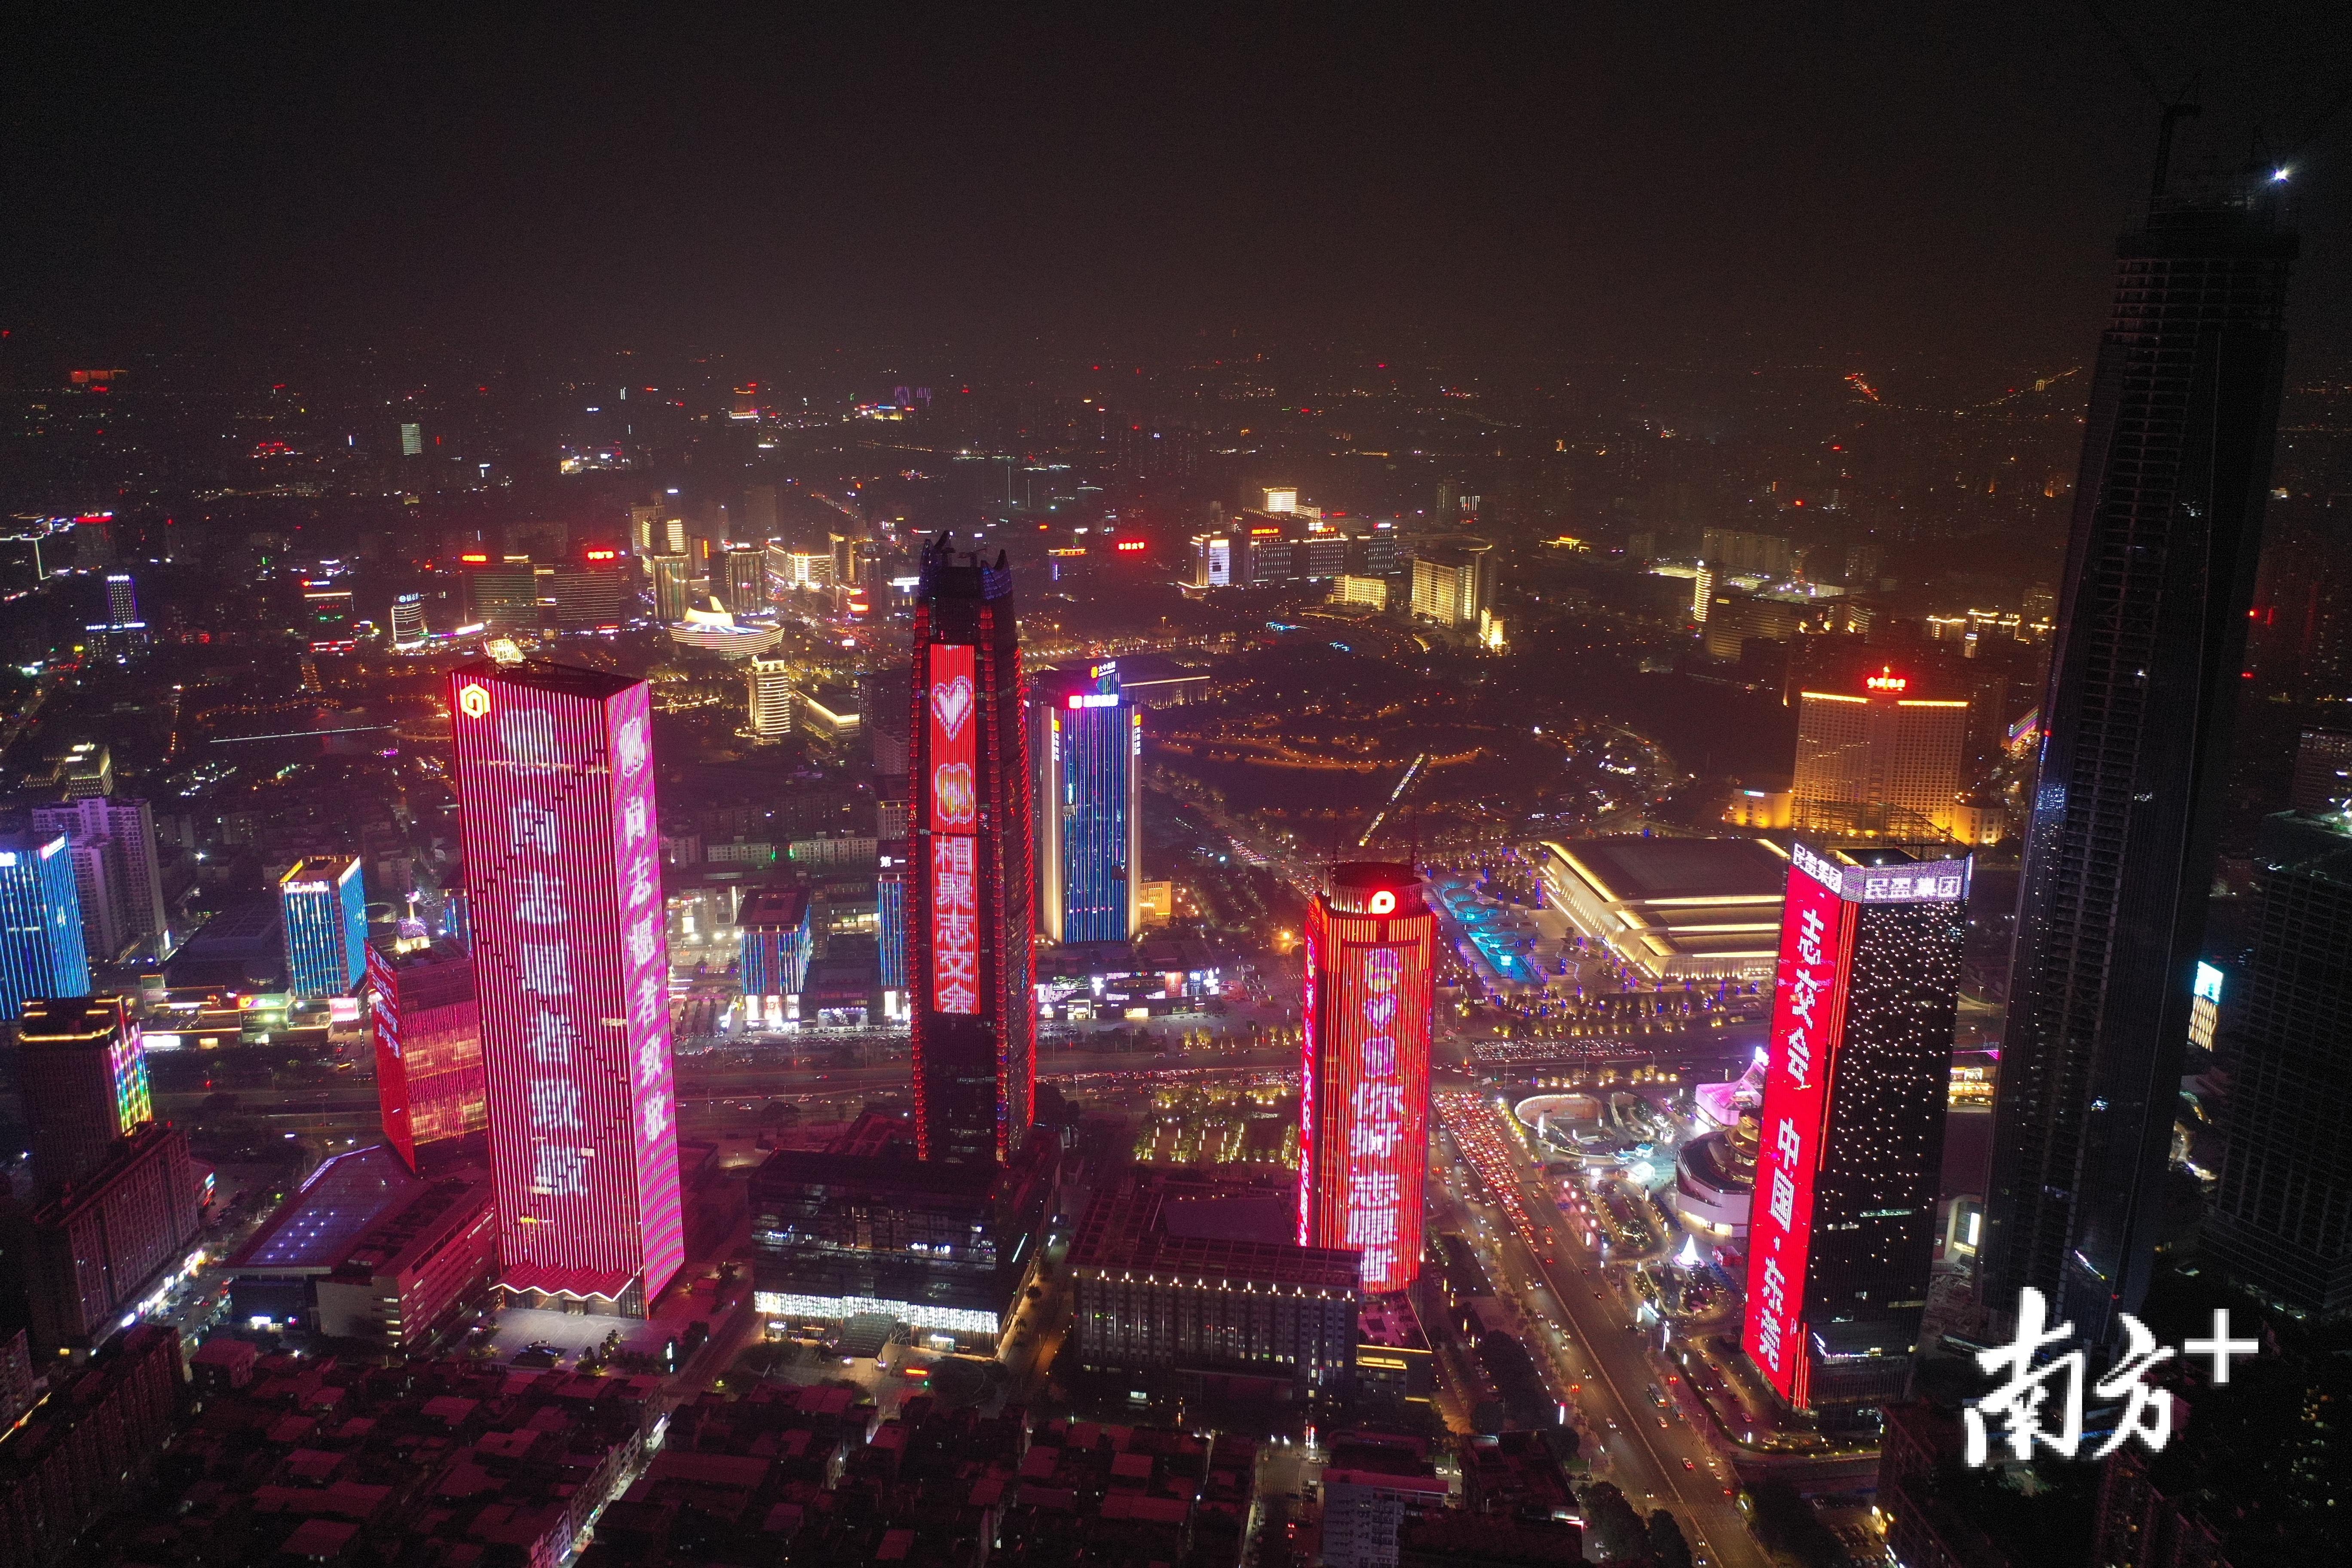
<point>951,704</point>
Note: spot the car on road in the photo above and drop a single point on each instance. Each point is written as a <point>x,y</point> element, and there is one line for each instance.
<point>1688,1466</point>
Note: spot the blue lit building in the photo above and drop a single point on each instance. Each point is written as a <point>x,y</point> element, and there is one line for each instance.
<point>41,922</point>
<point>1086,739</point>
<point>778,939</point>
<point>326,927</point>
<point>891,919</point>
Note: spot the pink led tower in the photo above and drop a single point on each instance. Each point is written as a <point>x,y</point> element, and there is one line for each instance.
<point>555,793</point>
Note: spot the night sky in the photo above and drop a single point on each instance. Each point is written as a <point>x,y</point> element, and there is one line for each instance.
<point>1855,183</point>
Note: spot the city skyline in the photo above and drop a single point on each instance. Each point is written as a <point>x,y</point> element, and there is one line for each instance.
<point>1370,791</point>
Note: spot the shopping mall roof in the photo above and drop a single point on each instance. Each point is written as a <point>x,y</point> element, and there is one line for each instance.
<point>1675,909</point>
<point>314,1230</point>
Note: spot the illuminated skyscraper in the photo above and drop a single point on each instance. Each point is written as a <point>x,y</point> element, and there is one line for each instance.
<point>743,573</point>
<point>1851,1144</point>
<point>408,627</point>
<point>975,1032</point>
<point>82,1071</point>
<point>555,792</point>
<point>326,926</point>
<point>2143,677</point>
<point>41,922</point>
<point>1879,757</point>
<point>672,577</point>
<point>428,1052</point>
<point>1363,1110</point>
<point>1086,742</point>
<point>778,939</point>
<point>890,921</point>
<point>769,688</point>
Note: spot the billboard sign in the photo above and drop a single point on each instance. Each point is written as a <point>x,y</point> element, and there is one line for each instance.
<point>1808,1019</point>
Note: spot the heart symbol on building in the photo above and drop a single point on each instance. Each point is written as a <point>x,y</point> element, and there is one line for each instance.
<point>1380,1012</point>
<point>952,795</point>
<point>951,704</point>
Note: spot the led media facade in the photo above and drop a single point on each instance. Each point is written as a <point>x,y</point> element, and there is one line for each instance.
<point>41,922</point>
<point>1088,744</point>
<point>1371,948</point>
<point>974,1026</point>
<point>952,812</point>
<point>1851,1134</point>
<point>429,1049</point>
<point>556,800</point>
<point>326,927</point>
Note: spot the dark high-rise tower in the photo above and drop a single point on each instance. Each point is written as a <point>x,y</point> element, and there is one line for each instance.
<point>2143,671</point>
<point>2282,1219</point>
<point>975,1032</point>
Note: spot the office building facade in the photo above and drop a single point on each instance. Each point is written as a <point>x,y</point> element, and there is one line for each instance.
<point>41,951</point>
<point>671,579</point>
<point>742,585</point>
<point>768,693</point>
<point>1363,1111</point>
<point>1088,741</point>
<point>326,926</point>
<point>1453,582</point>
<point>427,1029</point>
<point>974,1024</point>
<point>2282,1217</point>
<point>891,871</point>
<point>95,1248</point>
<point>860,1228</point>
<point>1841,1224</point>
<point>2143,678</point>
<point>555,792</point>
<point>81,1068</point>
<point>1150,1300</point>
<point>1881,758</point>
<point>116,870</point>
<point>778,940</point>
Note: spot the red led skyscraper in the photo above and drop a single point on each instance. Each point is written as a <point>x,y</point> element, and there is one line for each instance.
<point>1363,1112</point>
<point>975,1030</point>
<point>428,1051</point>
<point>555,793</point>
<point>1852,1132</point>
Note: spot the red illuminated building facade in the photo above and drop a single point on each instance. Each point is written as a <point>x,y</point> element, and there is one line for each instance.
<point>1852,1132</point>
<point>968,917</point>
<point>428,1053</point>
<point>1363,1112</point>
<point>555,790</point>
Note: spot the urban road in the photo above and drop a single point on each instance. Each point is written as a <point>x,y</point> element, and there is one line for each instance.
<point>1577,1317</point>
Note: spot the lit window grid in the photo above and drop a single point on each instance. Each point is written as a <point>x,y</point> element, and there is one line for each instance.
<point>40,927</point>
<point>583,1139</point>
<point>1364,1109</point>
<point>326,936</point>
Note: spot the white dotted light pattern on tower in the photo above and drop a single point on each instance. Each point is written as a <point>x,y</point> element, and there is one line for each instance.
<point>1364,1105</point>
<point>1811,1035</point>
<point>554,772</point>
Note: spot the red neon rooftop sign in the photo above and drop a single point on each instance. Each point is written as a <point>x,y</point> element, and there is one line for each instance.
<point>1886,679</point>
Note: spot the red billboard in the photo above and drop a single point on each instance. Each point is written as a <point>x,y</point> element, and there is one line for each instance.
<point>1364,1110</point>
<point>951,710</point>
<point>1808,1020</point>
<point>563,881</point>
